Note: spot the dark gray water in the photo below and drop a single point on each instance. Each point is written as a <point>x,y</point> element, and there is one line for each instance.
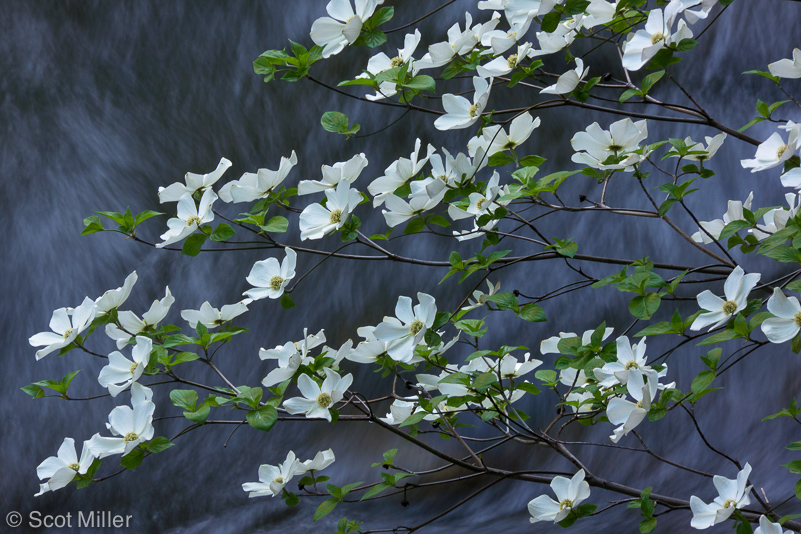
<point>101,103</point>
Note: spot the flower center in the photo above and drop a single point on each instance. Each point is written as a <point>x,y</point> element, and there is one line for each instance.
<point>324,400</point>
<point>481,202</point>
<point>336,217</point>
<point>512,61</point>
<point>565,503</point>
<point>780,151</point>
<point>415,327</point>
<point>614,148</point>
<point>639,404</point>
<point>68,332</point>
<point>74,467</point>
<point>473,112</point>
<point>130,436</point>
<point>278,480</point>
<point>396,61</point>
<point>275,282</point>
<point>631,364</point>
<point>729,307</point>
<point>194,219</point>
<point>729,503</point>
<point>797,318</point>
<point>658,36</point>
<point>133,367</point>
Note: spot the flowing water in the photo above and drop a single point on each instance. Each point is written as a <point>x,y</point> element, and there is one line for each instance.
<point>101,103</point>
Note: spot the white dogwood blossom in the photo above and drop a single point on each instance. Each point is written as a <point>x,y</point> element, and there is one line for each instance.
<point>629,414</point>
<point>595,146</point>
<point>189,219</point>
<point>271,278</point>
<point>718,311</point>
<point>273,478</point>
<point>766,526</point>
<point>710,230</point>
<point>787,321</point>
<point>398,173</point>
<point>774,151</point>
<point>211,317</point>
<point>253,186</point>
<point>405,331</point>
<point>657,34</point>
<point>399,411</point>
<point>320,461</point>
<point>568,81</point>
<point>334,174</point>
<point>194,182</point>
<point>122,372</point>
<point>114,298</point>
<point>343,26</point>
<point>132,425</point>
<point>317,401</point>
<point>732,495</point>
<point>787,68</point>
<point>570,493</point>
<point>459,112</point>
<point>290,357</point>
<point>66,324</point>
<point>61,469</point>
<point>132,325</point>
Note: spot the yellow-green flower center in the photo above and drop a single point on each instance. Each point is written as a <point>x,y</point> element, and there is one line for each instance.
<point>194,219</point>
<point>631,364</point>
<point>729,307</point>
<point>415,327</point>
<point>481,202</point>
<point>729,503</point>
<point>615,148</point>
<point>324,400</point>
<point>396,61</point>
<point>336,217</point>
<point>68,332</point>
<point>132,368</point>
<point>512,61</point>
<point>658,36</point>
<point>639,404</point>
<point>565,503</point>
<point>278,480</point>
<point>780,151</point>
<point>130,436</point>
<point>275,282</point>
<point>473,112</point>
<point>74,467</point>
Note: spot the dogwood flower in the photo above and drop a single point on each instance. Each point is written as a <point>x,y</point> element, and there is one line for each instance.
<point>459,113</point>
<point>320,461</point>
<point>570,492</point>
<point>333,34</point>
<point>511,367</point>
<point>381,62</point>
<point>787,323</point>
<point>63,468</point>
<point>736,289</point>
<point>425,195</point>
<point>405,332</point>
<point>712,229</point>
<point>270,278</point>
<point>194,182</point>
<point>66,324</point>
<point>132,425</point>
<point>787,68</point>
<point>768,527</point>
<point>774,151</point>
<point>114,298</point>
<point>132,325</point>
<point>551,345</point>
<point>713,144</point>
<point>630,359</point>
<point>657,34</point>
<point>516,10</point>
<point>459,42</point>
<point>494,139</point>
<point>316,221</point>
<point>480,298</point>
<point>499,41</point>
<point>273,478</point>
<point>290,357</point>
<point>501,66</point>
<point>253,186</point>
<point>777,218</point>
<point>480,204</point>
<point>628,414</point>
<point>212,317</point>
<point>568,81</point>
<point>398,173</point>
<point>399,411</point>
<point>595,146</point>
<point>189,219</point>
<point>317,401</point>
<point>122,372</point>
<point>334,174</point>
<point>732,494</point>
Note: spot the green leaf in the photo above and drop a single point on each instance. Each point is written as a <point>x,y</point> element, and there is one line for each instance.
<point>277,224</point>
<point>702,381</point>
<point>484,380</point>
<point>381,16</point>
<point>145,215</point>
<point>223,232</point>
<point>798,490</point>
<point>648,525</point>
<point>325,508</point>
<point>643,307</point>
<point>794,467</point>
<point>650,80</point>
<point>159,444</point>
<point>287,302</point>
<point>334,121</point>
<point>421,82</point>
<point>794,446</point>
<point>414,226</point>
<point>375,490</point>
<point>551,21</point>
<point>627,94</point>
<point>193,244</point>
<point>499,159</point>
<point>685,45</point>
<point>34,391</point>
<point>184,398</point>
<point>504,301</point>
<point>132,459</point>
<point>92,224</point>
<point>262,419</point>
<point>532,313</point>
<point>199,415</point>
